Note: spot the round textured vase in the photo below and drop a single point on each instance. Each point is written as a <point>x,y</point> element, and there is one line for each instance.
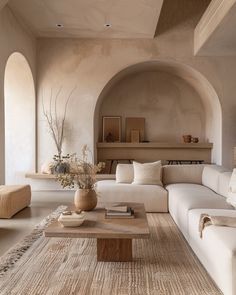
<point>61,168</point>
<point>85,199</point>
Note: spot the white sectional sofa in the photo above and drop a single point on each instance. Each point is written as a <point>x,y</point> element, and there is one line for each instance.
<point>187,192</point>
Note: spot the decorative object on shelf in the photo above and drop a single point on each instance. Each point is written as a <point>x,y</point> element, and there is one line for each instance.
<point>56,124</point>
<point>135,136</point>
<point>195,139</point>
<point>187,138</point>
<point>47,167</point>
<point>134,124</point>
<point>61,164</point>
<point>82,174</point>
<point>109,137</point>
<point>111,129</point>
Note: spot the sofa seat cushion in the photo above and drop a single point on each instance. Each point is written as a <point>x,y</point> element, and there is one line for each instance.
<point>184,197</point>
<point>154,197</point>
<point>217,248</point>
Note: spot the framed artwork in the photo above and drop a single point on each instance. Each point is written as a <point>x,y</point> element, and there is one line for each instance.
<point>111,129</point>
<point>131,124</point>
<point>134,136</point>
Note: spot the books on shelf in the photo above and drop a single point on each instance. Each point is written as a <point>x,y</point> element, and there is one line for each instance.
<point>119,212</point>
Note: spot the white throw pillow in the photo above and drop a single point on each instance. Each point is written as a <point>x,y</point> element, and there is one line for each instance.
<point>232,189</point>
<point>232,182</point>
<point>124,173</point>
<point>147,173</point>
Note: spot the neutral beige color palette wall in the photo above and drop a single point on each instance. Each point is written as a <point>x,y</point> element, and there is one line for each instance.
<point>13,38</point>
<point>92,63</point>
<point>169,104</point>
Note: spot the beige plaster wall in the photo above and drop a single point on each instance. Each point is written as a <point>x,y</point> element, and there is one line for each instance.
<point>91,63</point>
<point>169,104</point>
<point>19,120</point>
<point>13,38</point>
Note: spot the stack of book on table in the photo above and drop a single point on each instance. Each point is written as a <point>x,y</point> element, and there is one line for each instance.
<point>119,212</point>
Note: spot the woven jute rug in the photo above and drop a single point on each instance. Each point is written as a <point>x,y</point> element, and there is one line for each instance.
<point>163,264</point>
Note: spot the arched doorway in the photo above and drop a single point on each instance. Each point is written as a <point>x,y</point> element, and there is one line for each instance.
<point>185,76</point>
<point>19,101</point>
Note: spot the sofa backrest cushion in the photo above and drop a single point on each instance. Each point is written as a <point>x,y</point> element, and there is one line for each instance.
<point>147,173</point>
<point>182,174</point>
<point>210,176</point>
<point>124,173</point>
<point>223,185</point>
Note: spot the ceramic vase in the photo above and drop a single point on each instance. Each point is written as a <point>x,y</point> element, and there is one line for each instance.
<point>85,199</point>
<point>61,168</point>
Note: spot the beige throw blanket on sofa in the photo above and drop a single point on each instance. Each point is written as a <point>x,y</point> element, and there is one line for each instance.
<point>206,220</point>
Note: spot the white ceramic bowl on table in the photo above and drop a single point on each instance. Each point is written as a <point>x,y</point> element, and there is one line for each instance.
<point>72,220</point>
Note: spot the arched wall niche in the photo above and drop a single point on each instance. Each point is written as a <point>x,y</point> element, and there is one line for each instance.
<point>20,116</point>
<point>185,74</point>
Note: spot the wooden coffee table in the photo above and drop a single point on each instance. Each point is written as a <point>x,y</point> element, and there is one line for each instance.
<point>114,236</point>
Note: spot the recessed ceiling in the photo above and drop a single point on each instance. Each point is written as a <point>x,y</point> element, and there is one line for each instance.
<point>88,18</point>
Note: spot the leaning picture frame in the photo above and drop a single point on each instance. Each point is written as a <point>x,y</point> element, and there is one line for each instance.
<point>111,128</point>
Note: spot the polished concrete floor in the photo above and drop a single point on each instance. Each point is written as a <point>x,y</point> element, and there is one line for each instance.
<point>43,203</point>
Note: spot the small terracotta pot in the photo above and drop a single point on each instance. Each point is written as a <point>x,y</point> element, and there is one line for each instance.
<point>195,140</point>
<point>85,199</point>
<point>187,138</point>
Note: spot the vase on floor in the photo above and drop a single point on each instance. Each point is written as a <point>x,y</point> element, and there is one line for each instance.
<point>85,199</point>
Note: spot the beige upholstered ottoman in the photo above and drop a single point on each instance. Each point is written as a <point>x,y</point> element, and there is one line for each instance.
<point>13,198</point>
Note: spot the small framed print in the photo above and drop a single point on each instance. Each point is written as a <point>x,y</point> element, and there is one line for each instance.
<point>135,136</point>
<point>111,129</point>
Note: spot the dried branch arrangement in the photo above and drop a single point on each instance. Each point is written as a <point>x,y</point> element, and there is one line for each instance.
<point>55,122</point>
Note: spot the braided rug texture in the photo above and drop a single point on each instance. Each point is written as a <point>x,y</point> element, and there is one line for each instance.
<point>163,264</point>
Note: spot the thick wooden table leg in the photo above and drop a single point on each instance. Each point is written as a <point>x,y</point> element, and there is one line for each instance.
<point>114,250</point>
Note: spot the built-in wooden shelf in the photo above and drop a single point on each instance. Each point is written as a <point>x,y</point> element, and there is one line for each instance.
<point>153,151</point>
<point>155,145</point>
<point>53,177</point>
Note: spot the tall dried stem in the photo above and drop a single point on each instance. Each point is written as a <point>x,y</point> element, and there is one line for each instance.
<point>56,125</point>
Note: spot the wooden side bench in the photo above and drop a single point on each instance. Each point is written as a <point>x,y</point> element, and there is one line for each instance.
<point>13,198</point>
